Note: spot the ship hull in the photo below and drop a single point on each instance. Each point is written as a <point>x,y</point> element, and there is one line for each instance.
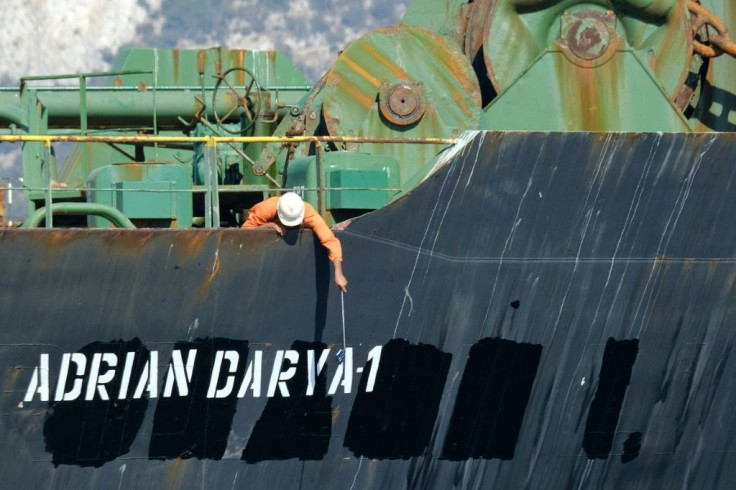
<point>547,310</point>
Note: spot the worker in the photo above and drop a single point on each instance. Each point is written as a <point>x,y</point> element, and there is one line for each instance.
<point>290,211</point>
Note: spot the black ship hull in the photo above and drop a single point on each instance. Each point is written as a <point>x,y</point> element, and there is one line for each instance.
<point>547,310</point>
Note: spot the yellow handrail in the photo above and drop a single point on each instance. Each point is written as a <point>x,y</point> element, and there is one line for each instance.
<point>50,138</point>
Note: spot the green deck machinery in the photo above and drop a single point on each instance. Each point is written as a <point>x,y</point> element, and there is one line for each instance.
<point>449,67</point>
<point>150,96</point>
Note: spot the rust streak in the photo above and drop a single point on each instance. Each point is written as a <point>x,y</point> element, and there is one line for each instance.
<point>176,472</point>
<point>355,93</point>
<point>175,58</point>
<point>590,114</point>
<point>362,72</point>
<point>201,60</point>
<point>13,378</point>
<point>210,278</point>
<point>385,62</point>
<point>128,245</point>
<point>192,247</point>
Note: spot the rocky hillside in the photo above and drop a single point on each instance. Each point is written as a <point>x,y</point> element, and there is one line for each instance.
<point>69,36</point>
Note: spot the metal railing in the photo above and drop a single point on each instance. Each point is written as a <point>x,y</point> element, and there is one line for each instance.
<point>211,185</point>
<point>82,79</point>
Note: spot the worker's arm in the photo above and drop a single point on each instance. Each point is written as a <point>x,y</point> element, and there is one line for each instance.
<point>314,221</point>
<point>263,215</point>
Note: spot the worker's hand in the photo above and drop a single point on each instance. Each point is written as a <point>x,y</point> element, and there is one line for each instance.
<point>275,226</point>
<point>341,283</point>
<point>342,225</point>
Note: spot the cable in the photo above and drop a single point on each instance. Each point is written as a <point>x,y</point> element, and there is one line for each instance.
<point>341,353</point>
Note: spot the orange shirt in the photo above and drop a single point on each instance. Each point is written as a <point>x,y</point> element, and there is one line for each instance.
<point>265,211</point>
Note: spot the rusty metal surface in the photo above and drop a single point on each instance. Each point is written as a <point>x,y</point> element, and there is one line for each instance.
<point>713,44</point>
<point>589,34</point>
<point>401,103</point>
<point>555,311</point>
<point>423,66</point>
<point>475,29</point>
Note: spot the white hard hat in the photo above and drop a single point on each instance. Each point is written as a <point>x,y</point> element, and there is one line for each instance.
<point>290,209</point>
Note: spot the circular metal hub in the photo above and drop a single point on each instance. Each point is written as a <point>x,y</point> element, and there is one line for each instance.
<point>588,38</point>
<point>401,102</point>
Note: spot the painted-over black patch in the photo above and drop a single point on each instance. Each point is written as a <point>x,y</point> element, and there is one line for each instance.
<point>195,426</point>
<point>297,426</point>
<point>396,419</point>
<point>91,433</point>
<point>632,445</point>
<point>615,374</point>
<point>491,400</point>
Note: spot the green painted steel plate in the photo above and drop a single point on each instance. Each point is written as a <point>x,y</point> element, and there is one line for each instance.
<point>401,82</point>
<point>517,32</point>
<point>563,103</point>
<point>357,188</point>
